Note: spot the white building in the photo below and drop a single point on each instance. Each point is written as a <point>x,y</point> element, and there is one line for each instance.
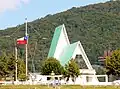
<point>64,51</point>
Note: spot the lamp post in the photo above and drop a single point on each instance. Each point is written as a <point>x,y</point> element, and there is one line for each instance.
<point>16,60</point>
<point>16,63</point>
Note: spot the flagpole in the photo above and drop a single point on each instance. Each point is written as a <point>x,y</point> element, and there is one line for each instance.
<point>26,55</point>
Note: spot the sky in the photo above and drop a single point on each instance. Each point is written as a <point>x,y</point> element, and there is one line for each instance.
<point>14,12</point>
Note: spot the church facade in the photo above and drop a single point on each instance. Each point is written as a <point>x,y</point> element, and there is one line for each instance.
<point>64,51</point>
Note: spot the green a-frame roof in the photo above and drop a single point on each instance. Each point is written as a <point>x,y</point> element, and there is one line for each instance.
<point>63,50</point>
<point>67,53</point>
<point>68,50</point>
<point>55,41</point>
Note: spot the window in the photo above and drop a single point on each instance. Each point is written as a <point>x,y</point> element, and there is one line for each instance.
<point>80,61</point>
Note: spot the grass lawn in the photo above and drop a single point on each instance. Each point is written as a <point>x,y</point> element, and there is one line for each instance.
<point>61,87</point>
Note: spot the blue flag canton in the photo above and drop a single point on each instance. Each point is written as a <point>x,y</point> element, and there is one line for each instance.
<point>26,38</point>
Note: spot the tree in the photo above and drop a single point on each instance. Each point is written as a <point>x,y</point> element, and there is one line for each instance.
<point>21,67</point>
<point>21,70</point>
<point>11,65</point>
<point>3,66</point>
<point>71,70</point>
<point>7,66</point>
<point>113,63</point>
<point>51,64</point>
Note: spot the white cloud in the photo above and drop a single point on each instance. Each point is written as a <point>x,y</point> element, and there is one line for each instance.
<point>11,4</point>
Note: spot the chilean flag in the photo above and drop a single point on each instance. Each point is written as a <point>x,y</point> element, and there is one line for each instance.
<point>22,40</point>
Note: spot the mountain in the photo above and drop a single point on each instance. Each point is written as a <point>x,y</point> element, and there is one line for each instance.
<point>97,26</point>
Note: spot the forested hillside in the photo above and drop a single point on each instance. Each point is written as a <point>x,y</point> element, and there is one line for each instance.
<point>97,26</point>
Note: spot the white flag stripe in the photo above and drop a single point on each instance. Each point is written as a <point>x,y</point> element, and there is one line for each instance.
<point>20,38</point>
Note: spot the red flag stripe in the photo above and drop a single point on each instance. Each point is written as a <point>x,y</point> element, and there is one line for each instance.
<point>21,41</point>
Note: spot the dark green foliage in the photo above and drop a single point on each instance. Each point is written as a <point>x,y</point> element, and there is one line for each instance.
<point>71,70</point>
<point>21,70</point>
<point>51,64</point>
<point>7,66</point>
<point>97,26</point>
<point>4,67</point>
<point>113,63</point>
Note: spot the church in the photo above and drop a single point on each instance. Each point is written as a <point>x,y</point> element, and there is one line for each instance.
<point>64,51</point>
